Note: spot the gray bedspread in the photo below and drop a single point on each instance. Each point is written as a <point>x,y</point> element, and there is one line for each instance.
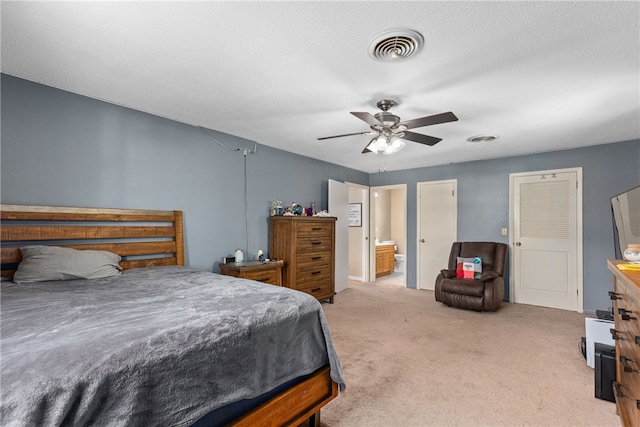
<point>156,346</point>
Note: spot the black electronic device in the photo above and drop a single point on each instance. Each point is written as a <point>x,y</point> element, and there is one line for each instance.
<point>605,371</point>
<point>604,314</point>
<point>582,346</point>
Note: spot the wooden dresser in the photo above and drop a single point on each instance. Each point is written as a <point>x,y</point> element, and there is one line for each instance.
<point>307,246</point>
<point>626,305</point>
<point>385,259</point>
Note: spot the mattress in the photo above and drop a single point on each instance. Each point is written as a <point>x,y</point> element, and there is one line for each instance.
<point>152,346</point>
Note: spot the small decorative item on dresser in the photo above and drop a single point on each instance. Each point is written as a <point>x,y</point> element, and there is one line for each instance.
<point>632,253</point>
<point>296,209</point>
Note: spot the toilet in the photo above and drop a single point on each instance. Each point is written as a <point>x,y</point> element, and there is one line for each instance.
<point>399,263</point>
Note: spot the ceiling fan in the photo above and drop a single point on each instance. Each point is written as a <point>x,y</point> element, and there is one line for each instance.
<point>390,130</point>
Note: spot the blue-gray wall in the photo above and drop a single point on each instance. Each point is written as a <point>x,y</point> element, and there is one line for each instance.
<point>483,202</point>
<point>63,149</point>
<point>58,148</point>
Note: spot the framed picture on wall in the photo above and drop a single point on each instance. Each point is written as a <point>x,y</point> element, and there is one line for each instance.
<point>355,214</point>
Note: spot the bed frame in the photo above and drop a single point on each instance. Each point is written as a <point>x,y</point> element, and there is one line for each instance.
<point>145,238</point>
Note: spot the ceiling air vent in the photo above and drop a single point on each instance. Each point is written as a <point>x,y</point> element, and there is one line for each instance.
<point>396,45</point>
<point>482,138</point>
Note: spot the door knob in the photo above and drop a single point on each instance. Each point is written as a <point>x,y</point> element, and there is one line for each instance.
<point>518,244</point>
<point>422,240</point>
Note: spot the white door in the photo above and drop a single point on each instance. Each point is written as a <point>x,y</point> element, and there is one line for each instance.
<point>547,245</point>
<point>437,229</point>
<point>339,207</point>
<point>358,240</point>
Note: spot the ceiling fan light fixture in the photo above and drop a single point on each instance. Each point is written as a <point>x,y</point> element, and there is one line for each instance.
<point>395,45</point>
<point>385,145</point>
<point>396,145</point>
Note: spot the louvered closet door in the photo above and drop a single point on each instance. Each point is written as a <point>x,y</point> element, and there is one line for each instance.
<point>545,240</point>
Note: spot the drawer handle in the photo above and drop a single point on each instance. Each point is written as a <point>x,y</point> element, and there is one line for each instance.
<point>316,272</point>
<point>614,334</point>
<point>638,404</point>
<point>264,279</point>
<point>637,340</point>
<point>618,387</point>
<point>316,228</point>
<point>625,363</point>
<point>316,243</point>
<point>614,295</point>
<point>625,314</point>
<point>315,289</point>
<point>316,257</point>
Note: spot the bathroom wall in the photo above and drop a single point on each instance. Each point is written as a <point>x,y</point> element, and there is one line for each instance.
<point>391,216</point>
<point>383,215</point>
<point>398,218</point>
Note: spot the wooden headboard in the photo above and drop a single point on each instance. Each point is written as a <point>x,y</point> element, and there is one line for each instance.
<point>143,238</point>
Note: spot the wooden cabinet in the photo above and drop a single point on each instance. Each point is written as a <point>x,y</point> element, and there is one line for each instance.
<point>385,259</point>
<point>267,272</point>
<point>626,305</point>
<point>306,244</point>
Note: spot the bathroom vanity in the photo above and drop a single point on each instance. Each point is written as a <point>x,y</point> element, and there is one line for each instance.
<point>385,259</point>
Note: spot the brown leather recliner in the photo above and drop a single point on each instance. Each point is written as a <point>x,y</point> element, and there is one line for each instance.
<point>484,294</point>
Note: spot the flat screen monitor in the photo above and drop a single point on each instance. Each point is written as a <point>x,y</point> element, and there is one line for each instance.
<point>626,217</point>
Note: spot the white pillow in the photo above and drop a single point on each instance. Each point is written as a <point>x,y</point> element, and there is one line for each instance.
<point>43,263</point>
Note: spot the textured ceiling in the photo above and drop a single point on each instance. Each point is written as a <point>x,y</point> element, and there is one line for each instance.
<point>541,75</point>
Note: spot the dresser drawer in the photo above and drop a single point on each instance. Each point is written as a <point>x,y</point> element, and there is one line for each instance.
<point>629,299</point>
<point>314,243</point>
<point>313,273</point>
<point>308,259</point>
<point>627,319</point>
<point>270,272</point>
<point>267,276</point>
<point>321,288</point>
<point>315,228</point>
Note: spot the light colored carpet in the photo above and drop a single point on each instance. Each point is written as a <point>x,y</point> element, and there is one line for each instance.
<point>409,361</point>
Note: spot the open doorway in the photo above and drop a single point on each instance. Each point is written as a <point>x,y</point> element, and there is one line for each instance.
<point>389,230</point>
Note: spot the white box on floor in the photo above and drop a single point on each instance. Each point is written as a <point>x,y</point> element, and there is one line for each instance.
<point>597,330</point>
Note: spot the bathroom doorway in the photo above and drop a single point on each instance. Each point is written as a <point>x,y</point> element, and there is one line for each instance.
<point>389,230</point>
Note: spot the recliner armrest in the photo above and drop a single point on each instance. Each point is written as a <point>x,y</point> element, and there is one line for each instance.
<point>489,275</point>
<point>448,274</point>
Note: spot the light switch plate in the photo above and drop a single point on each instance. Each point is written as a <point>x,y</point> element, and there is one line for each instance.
<point>503,231</point>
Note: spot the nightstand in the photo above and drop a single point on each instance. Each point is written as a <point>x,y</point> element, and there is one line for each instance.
<point>267,272</point>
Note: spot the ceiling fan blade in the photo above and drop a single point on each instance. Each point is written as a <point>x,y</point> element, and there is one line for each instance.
<point>430,120</point>
<point>366,117</point>
<point>346,134</point>
<point>422,139</point>
<point>366,148</point>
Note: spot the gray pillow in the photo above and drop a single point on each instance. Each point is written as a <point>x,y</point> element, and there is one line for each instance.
<point>43,263</point>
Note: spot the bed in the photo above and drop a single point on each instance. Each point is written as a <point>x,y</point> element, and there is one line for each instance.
<point>156,344</point>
